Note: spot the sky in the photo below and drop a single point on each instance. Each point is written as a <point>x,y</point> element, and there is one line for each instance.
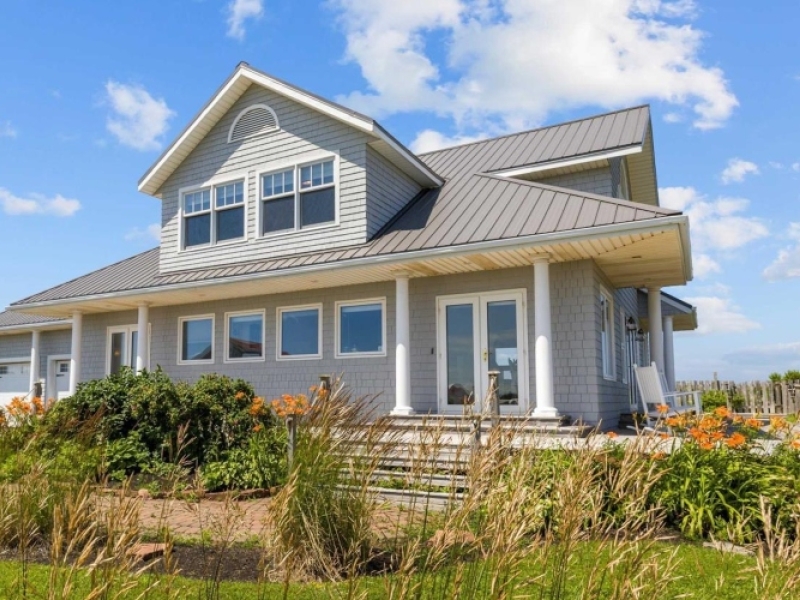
<point>90,94</point>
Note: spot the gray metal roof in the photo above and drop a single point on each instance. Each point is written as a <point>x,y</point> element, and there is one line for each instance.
<point>602,133</point>
<point>9,319</point>
<point>468,210</point>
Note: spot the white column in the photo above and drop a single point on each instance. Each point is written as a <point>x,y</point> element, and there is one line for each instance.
<point>75,351</point>
<point>143,338</point>
<point>543,330</point>
<point>402,401</point>
<point>669,354</point>
<point>35,360</point>
<point>656,333</point>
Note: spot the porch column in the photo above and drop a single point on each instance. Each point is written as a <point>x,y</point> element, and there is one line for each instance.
<point>669,354</point>
<point>143,338</point>
<point>543,330</point>
<point>656,333</point>
<point>402,400</point>
<point>75,351</point>
<point>35,360</point>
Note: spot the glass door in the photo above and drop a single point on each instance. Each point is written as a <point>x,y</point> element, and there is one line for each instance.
<point>478,334</point>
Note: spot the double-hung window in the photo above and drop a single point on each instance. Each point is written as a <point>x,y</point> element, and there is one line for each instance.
<point>196,340</point>
<point>298,197</point>
<point>607,333</point>
<point>206,222</point>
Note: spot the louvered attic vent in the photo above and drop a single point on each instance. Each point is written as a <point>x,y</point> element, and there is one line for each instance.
<point>252,121</point>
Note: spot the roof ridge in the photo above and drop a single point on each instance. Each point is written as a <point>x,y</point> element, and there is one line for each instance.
<point>22,301</point>
<point>590,195</point>
<point>541,128</point>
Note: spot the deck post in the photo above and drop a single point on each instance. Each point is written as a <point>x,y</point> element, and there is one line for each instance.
<point>143,338</point>
<point>75,351</point>
<point>35,339</point>
<point>402,401</point>
<point>543,330</point>
<point>669,353</point>
<point>656,332</point>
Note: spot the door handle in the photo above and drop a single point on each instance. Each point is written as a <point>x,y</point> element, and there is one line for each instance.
<point>485,355</point>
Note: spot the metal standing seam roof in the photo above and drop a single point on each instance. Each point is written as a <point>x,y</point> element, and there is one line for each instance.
<point>602,133</point>
<point>476,208</point>
<point>11,319</point>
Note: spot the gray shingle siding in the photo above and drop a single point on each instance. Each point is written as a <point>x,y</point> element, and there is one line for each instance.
<point>575,339</point>
<point>53,343</point>
<point>593,181</point>
<point>388,191</point>
<point>15,346</point>
<point>303,132</point>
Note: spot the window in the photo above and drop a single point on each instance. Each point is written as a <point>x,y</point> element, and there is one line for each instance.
<point>196,335</point>
<point>206,223</point>
<point>361,328</point>
<point>63,368</point>
<point>245,335</point>
<point>298,197</point>
<point>300,332</point>
<point>122,346</point>
<point>3,370</point>
<point>607,333</point>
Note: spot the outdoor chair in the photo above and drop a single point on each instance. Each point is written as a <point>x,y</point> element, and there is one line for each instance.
<point>653,394</point>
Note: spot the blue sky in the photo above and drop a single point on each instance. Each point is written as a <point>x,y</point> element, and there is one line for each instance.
<point>91,92</point>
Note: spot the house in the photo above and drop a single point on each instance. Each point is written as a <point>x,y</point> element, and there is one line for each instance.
<point>300,238</point>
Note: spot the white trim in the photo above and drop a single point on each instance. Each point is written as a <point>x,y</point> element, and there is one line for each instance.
<point>15,359</point>
<point>626,351</point>
<point>244,71</point>
<point>51,383</point>
<point>211,184</point>
<point>181,320</point>
<point>296,163</point>
<point>608,363</point>
<point>279,332</point>
<point>662,225</point>
<point>60,325</point>
<point>243,112</point>
<point>129,359</point>
<point>567,162</point>
<point>226,359</point>
<point>343,303</point>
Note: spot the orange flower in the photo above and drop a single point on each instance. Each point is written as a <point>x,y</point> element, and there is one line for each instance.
<point>795,444</point>
<point>707,445</point>
<point>663,436</point>
<point>672,422</point>
<point>738,419</point>
<point>612,434</point>
<point>659,456</point>
<point>240,395</point>
<point>736,440</point>
<point>257,427</point>
<point>722,412</point>
<point>779,423</point>
<point>662,409</point>
<point>754,423</point>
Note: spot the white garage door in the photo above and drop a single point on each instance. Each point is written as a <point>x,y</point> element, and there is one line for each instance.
<point>14,381</point>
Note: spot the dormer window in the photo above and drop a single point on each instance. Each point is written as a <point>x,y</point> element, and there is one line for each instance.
<point>206,223</point>
<point>299,197</point>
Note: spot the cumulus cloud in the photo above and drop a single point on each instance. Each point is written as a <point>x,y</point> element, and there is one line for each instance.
<point>7,130</point>
<point>716,226</point>
<point>796,167</point>
<point>239,12</point>
<point>430,140</point>
<point>506,65</point>
<point>138,120</point>
<point>787,263</point>
<point>37,204</point>
<point>737,170</point>
<point>720,315</point>
<point>150,233</point>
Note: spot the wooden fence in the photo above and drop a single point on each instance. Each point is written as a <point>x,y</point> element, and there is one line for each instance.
<point>762,397</point>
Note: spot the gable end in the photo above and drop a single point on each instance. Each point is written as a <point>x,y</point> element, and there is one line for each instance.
<point>253,121</point>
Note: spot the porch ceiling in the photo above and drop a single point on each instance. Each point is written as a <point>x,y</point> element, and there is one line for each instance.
<point>635,259</point>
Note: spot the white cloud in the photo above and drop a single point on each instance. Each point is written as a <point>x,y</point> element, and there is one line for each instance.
<point>776,165</point>
<point>37,204</point>
<point>508,64</point>
<point>787,263</point>
<point>737,170</point>
<point>796,167</point>
<point>716,225</point>
<point>720,315</point>
<point>672,117</point>
<point>139,120</point>
<point>430,140</point>
<point>239,11</point>
<point>7,130</point>
<point>775,357</point>
<point>150,233</point>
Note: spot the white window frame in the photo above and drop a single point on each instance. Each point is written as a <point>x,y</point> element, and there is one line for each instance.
<point>226,358</point>
<point>279,329</point>
<point>607,353</point>
<point>207,361</point>
<point>128,330</point>
<point>296,165</point>
<point>211,186</point>
<point>342,303</point>
<point>626,349</point>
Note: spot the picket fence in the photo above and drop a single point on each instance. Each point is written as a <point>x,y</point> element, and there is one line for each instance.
<point>760,397</point>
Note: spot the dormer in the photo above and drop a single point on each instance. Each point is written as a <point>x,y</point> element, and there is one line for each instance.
<point>268,170</point>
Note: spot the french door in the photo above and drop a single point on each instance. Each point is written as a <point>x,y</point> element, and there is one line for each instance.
<point>478,334</point>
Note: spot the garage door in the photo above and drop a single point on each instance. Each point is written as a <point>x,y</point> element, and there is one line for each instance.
<point>14,381</point>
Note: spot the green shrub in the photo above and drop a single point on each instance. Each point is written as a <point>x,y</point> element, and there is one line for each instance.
<point>261,465</point>
<point>792,375</point>
<point>712,399</point>
<point>775,377</point>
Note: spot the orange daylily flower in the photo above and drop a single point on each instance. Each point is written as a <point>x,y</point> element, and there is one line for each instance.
<point>736,440</point>
<point>662,409</point>
<point>612,434</point>
<point>722,412</point>
<point>754,423</point>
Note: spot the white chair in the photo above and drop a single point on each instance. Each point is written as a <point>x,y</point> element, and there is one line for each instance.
<point>651,389</point>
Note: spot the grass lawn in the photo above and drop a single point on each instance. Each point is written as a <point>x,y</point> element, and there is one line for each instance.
<point>703,573</point>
